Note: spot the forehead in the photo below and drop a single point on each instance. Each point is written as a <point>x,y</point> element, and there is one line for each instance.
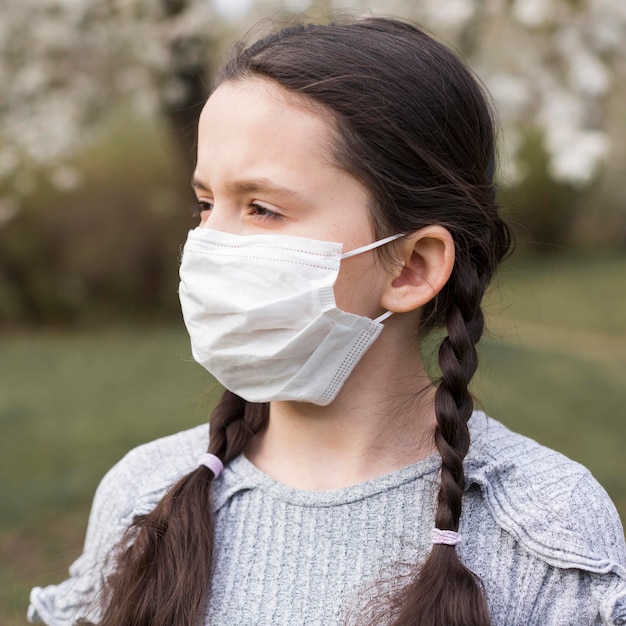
<point>261,115</point>
<point>254,135</point>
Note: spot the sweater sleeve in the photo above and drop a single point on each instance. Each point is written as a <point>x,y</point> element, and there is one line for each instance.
<point>603,531</point>
<point>132,487</point>
<point>567,537</point>
<point>591,587</point>
<point>111,513</point>
<point>588,590</point>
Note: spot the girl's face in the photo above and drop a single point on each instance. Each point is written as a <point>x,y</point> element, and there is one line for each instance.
<point>265,165</point>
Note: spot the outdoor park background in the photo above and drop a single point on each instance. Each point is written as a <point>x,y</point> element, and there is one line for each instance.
<point>96,150</point>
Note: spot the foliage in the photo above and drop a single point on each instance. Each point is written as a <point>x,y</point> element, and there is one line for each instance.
<point>100,101</point>
<point>550,65</point>
<point>107,249</point>
<point>66,63</point>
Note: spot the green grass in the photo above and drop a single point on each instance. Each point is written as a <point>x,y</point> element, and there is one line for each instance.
<point>554,363</point>
<point>72,403</point>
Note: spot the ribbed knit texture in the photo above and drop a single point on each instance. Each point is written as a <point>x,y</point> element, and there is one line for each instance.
<point>540,532</point>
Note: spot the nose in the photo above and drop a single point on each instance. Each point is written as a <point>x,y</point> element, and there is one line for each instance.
<point>219,218</point>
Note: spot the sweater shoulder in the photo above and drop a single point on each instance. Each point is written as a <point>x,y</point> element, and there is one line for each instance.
<point>551,505</point>
<point>131,487</point>
<point>148,470</point>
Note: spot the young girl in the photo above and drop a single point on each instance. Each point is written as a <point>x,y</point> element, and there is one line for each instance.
<point>346,200</point>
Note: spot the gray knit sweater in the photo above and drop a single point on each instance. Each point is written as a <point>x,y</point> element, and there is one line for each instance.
<point>537,528</point>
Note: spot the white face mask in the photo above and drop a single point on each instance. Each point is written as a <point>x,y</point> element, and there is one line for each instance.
<point>261,314</point>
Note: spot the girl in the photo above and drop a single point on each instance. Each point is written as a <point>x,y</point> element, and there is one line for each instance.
<point>346,200</point>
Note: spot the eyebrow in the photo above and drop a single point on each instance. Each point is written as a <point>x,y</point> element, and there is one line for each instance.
<point>255,185</point>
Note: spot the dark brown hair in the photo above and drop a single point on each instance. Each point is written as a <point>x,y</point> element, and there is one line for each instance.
<point>415,128</point>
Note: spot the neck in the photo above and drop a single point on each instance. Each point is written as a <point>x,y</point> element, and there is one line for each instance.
<point>382,420</point>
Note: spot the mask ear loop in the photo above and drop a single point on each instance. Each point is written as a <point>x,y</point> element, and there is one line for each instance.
<point>383,317</point>
<point>371,246</point>
<point>367,248</point>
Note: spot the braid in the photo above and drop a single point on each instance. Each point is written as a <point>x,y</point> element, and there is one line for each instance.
<point>233,423</point>
<point>164,575</point>
<point>458,361</point>
<point>445,592</point>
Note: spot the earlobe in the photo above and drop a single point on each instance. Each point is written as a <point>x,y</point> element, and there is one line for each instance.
<point>425,261</point>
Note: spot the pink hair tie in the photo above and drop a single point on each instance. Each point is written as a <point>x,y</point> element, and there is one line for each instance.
<point>212,462</point>
<point>448,537</point>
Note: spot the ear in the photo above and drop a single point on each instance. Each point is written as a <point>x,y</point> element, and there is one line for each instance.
<point>425,259</point>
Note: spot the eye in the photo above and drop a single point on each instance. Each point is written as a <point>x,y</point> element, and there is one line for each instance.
<point>263,212</point>
<point>199,207</point>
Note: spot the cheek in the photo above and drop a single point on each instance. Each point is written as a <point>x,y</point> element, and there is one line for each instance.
<point>360,285</point>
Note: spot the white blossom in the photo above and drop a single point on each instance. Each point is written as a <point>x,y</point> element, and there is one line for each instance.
<point>233,9</point>
<point>584,70</point>
<point>576,155</point>
<point>514,94</point>
<point>449,14</point>
<point>65,64</point>
<point>533,13</point>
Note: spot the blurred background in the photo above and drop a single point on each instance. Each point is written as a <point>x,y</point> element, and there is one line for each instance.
<point>98,108</point>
